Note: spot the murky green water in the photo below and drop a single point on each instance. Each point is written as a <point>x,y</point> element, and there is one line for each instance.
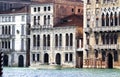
<point>27,72</point>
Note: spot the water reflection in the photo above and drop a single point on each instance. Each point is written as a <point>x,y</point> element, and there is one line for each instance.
<point>27,72</point>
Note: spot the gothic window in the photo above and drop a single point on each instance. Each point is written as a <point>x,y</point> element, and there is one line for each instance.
<point>9,44</point>
<point>103,55</point>
<point>115,39</point>
<point>44,40</point>
<point>96,53</point>
<point>103,38</point>
<point>38,40</point>
<point>103,20</point>
<point>56,40</point>
<point>48,40</point>
<point>34,40</point>
<point>115,55</point>
<point>67,40</point>
<point>96,37</point>
<point>116,19</point>
<point>111,19</point>
<point>71,39</point>
<point>107,39</point>
<point>3,44</point>
<point>107,20</point>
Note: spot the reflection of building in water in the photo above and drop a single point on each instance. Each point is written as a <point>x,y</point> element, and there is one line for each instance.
<point>101,33</point>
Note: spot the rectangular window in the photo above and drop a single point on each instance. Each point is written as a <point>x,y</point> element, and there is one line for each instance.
<point>22,30</point>
<point>23,18</point>
<point>33,56</point>
<point>66,57</point>
<point>38,57</point>
<point>71,57</point>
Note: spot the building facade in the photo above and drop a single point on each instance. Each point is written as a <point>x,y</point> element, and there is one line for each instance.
<point>52,43</point>
<point>13,36</point>
<point>101,33</point>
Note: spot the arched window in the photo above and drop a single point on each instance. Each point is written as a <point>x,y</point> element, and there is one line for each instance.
<point>5,44</point>
<point>107,20</point>
<point>103,38</point>
<point>6,30</point>
<point>8,44</point>
<point>119,18</point>
<point>38,40</point>
<point>111,37</point>
<point>96,53</point>
<point>48,19</point>
<point>9,30</point>
<point>103,55</point>
<point>71,39</point>
<point>56,40</point>
<point>111,19</point>
<point>34,20</point>
<point>44,40</point>
<point>115,55</point>
<point>2,29</point>
<point>107,39</point>
<point>115,39</point>
<point>67,40</point>
<point>49,8</point>
<point>45,20</point>
<point>103,20</point>
<point>48,40</point>
<point>34,40</point>
<point>60,40</point>
<point>116,19</point>
<point>38,20</point>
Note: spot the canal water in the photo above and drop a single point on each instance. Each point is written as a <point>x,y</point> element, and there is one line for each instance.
<point>27,72</point>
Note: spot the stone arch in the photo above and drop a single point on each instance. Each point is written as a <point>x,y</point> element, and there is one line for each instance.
<point>46,58</point>
<point>5,60</point>
<point>58,58</point>
<point>21,61</point>
<point>109,60</point>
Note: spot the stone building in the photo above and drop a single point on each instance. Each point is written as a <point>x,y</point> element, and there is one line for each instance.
<point>13,36</point>
<point>101,33</point>
<point>56,30</point>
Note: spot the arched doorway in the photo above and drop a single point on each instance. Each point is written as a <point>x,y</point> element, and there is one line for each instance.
<point>58,59</point>
<point>110,61</point>
<point>46,58</point>
<point>21,61</point>
<point>5,60</point>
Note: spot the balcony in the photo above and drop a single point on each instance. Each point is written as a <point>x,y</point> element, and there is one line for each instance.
<point>6,49</point>
<point>36,27</point>
<point>59,48</point>
<point>112,46</point>
<point>106,29</point>
<point>5,36</point>
<point>87,47</point>
<point>87,30</point>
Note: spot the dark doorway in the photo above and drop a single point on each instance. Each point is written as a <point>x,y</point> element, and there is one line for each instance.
<point>5,60</point>
<point>110,61</point>
<point>79,59</point>
<point>58,59</point>
<point>46,58</point>
<point>21,61</point>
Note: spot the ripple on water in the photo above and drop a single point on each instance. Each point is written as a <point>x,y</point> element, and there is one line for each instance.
<point>27,72</point>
